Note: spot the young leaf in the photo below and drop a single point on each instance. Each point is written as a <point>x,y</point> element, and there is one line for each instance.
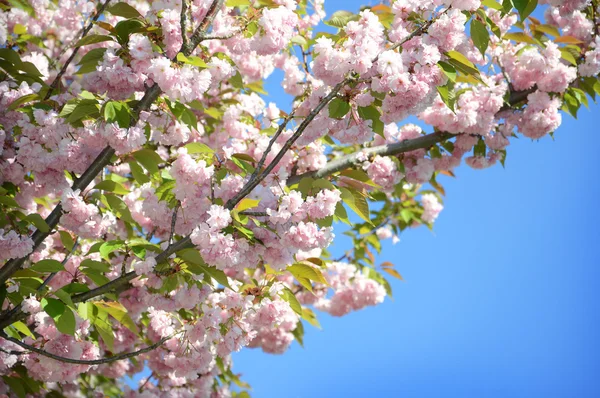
<point>357,202</point>
<point>289,296</point>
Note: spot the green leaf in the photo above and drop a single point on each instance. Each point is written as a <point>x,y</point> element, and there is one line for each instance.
<point>198,147</point>
<point>289,296</point>
<point>246,204</point>
<point>64,297</point>
<point>8,201</point>
<point>95,265</point>
<point>65,323</point>
<point>302,270</point>
<point>192,60</point>
<point>480,35</point>
<point>461,63</point>
<point>547,29</point>
<point>357,202</point>
<point>84,109</point>
<point>237,3</point>
<point>104,328</point>
<point>448,70</point>
<point>53,307</point>
<point>371,113</point>
<point>21,327</point>
<point>112,186</point>
<point>47,266</point>
<point>90,60</point>
<point>93,39</point>
<point>492,4</point>
<point>126,27</point>
<point>67,240</point>
<point>299,333</point>
<point>447,94</point>
<point>257,87</point>
<point>39,222</point>
<point>20,101</point>
<point>149,159</point>
<point>196,265</point>
<point>138,173</point>
<point>109,247</point>
<point>525,7</point>
<point>568,56</point>
<point>338,108</point>
<point>310,317</point>
<point>15,384</point>
<point>124,10</point>
<point>519,37</point>
<point>23,5</point>
<point>117,112</point>
<point>117,311</point>
<point>236,80</point>
<point>480,148</point>
<point>119,208</point>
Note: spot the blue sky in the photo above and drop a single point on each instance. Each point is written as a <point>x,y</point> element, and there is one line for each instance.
<point>500,300</point>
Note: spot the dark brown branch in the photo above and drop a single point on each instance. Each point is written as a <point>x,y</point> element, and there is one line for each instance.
<point>60,74</point>
<point>200,31</point>
<point>183,22</point>
<point>174,222</point>
<point>254,213</point>
<point>252,183</point>
<point>352,159</point>
<point>83,361</point>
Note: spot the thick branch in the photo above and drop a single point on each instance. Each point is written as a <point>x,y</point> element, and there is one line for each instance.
<point>350,160</point>
<point>83,361</point>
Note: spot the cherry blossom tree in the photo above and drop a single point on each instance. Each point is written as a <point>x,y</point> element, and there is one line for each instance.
<point>159,212</point>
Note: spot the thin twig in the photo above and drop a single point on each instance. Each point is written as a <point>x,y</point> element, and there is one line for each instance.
<point>60,74</point>
<point>263,158</point>
<point>141,388</point>
<point>64,261</point>
<point>173,222</point>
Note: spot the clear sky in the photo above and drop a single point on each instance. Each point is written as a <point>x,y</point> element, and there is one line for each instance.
<point>501,300</point>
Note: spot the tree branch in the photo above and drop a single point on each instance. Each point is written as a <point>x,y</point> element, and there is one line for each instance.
<point>60,74</point>
<point>253,182</point>
<point>183,22</point>
<point>344,162</point>
<point>280,129</point>
<point>200,31</point>
<point>83,361</point>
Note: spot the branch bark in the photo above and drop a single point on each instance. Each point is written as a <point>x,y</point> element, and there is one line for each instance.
<point>83,361</point>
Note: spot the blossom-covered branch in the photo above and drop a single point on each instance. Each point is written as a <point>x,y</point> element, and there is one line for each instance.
<point>149,187</point>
